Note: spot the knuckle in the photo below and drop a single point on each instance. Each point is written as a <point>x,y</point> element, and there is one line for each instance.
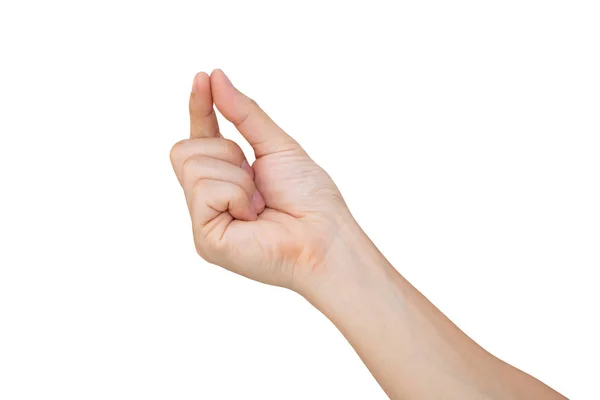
<point>187,167</point>
<point>232,149</point>
<point>198,188</point>
<point>192,162</point>
<point>176,150</point>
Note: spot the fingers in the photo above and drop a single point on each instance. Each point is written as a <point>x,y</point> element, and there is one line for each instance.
<point>252,122</point>
<point>218,160</point>
<point>199,167</point>
<point>211,198</point>
<point>196,169</point>
<point>203,120</point>
<point>221,149</point>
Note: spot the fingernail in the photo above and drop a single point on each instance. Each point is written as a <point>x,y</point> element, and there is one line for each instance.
<point>246,167</point>
<point>258,202</point>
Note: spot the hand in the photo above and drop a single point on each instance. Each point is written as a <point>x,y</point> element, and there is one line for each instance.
<point>274,221</point>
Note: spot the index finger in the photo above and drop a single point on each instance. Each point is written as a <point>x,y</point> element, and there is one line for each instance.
<point>203,120</point>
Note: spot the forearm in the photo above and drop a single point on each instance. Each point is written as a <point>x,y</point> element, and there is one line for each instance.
<point>409,346</point>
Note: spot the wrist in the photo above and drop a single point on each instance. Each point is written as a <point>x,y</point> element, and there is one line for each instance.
<point>350,264</point>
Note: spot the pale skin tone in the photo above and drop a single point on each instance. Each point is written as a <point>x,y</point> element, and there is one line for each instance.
<point>282,221</point>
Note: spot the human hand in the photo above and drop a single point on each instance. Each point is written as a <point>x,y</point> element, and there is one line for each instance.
<point>275,221</point>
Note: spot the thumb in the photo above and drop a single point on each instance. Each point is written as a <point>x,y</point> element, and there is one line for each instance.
<point>254,124</point>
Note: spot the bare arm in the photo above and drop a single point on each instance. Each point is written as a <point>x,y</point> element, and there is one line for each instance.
<point>282,221</point>
<point>410,347</point>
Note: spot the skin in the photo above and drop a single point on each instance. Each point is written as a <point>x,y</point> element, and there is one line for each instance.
<point>283,221</point>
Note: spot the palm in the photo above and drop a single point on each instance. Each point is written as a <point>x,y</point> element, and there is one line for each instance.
<point>298,194</point>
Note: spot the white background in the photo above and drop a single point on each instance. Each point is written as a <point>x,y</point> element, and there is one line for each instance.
<point>464,135</point>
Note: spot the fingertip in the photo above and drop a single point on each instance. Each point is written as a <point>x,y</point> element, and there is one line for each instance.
<point>225,95</point>
<point>257,202</point>
<point>220,80</point>
<point>218,73</point>
<point>201,82</point>
<point>253,212</point>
